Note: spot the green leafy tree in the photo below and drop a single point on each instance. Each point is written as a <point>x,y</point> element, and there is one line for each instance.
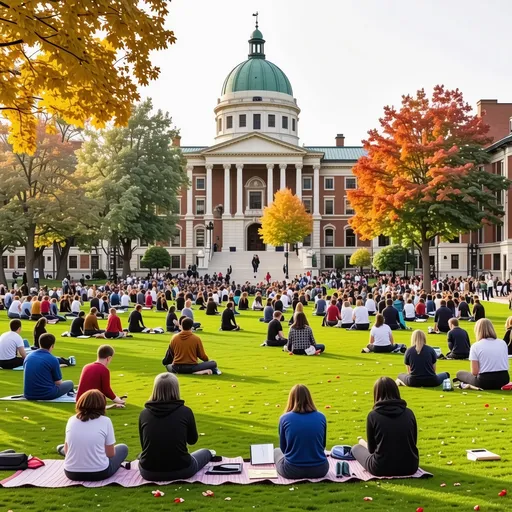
<point>390,259</point>
<point>361,258</point>
<point>156,257</point>
<point>339,262</point>
<point>135,174</point>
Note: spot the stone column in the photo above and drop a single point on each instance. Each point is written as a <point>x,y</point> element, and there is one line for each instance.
<point>227,190</point>
<point>282,181</point>
<point>239,190</point>
<point>188,242</point>
<point>209,191</point>
<point>316,190</point>
<point>270,184</point>
<point>298,181</point>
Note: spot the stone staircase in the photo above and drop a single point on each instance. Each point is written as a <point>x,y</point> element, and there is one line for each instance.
<point>240,261</point>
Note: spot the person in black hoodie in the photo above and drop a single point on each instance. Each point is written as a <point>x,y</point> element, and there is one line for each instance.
<point>392,434</point>
<point>166,426</point>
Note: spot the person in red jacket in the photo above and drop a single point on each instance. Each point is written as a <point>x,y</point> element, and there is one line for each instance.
<point>333,315</point>
<point>421,309</point>
<point>97,376</point>
<point>114,328</point>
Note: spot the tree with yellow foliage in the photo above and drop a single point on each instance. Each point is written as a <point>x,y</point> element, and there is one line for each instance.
<point>285,221</point>
<point>76,61</point>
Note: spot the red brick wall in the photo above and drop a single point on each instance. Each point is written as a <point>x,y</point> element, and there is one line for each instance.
<point>496,115</point>
<point>509,202</point>
<point>487,261</point>
<point>85,261</point>
<point>217,186</point>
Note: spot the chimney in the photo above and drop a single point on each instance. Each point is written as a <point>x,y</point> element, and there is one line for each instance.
<point>176,142</point>
<point>340,140</point>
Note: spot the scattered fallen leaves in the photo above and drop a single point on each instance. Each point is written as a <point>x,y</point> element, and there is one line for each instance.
<point>208,494</point>
<point>443,485</point>
<point>367,498</point>
<point>327,406</point>
<point>476,507</point>
<point>502,493</point>
<point>419,509</point>
<point>178,500</point>
<point>456,484</point>
<point>158,493</point>
<point>486,405</point>
<point>227,498</point>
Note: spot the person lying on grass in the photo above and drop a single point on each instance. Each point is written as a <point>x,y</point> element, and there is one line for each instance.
<point>489,360</point>
<point>97,376</point>
<point>90,451</point>
<point>302,438</point>
<point>392,434</point>
<point>184,351</point>
<point>166,426</point>
<point>42,378</point>
<point>420,360</point>
<point>301,339</point>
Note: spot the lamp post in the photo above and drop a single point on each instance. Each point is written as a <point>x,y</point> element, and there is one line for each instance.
<point>209,228</point>
<point>286,261</point>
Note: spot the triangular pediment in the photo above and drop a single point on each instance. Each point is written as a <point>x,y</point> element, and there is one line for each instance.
<point>254,144</point>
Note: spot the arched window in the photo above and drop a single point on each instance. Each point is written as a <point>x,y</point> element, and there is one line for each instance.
<point>200,237</point>
<point>350,238</point>
<point>329,237</point>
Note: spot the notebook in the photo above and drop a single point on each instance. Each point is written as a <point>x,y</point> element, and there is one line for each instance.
<point>482,454</point>
<point>255,474</point>
<point>262,454</point>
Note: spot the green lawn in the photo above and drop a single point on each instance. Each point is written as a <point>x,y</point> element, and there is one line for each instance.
<point>243,405</point>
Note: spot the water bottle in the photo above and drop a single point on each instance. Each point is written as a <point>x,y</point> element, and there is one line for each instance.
<point>447,385</point>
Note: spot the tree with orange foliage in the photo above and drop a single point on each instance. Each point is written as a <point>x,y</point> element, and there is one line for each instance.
<point>422,176</point>
<point>285,221</point>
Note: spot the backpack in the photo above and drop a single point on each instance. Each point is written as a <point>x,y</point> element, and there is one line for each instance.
<point>13,461</point>
<point>342,452</point>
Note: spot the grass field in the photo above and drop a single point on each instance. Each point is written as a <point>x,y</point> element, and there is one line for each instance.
<point>243,405</point>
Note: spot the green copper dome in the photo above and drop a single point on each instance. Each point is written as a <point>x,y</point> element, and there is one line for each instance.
<point>257,73</point>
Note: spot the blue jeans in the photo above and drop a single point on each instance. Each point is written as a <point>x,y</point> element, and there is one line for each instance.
<point>422,382</point>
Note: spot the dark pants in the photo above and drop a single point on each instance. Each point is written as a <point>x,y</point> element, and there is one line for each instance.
<point>422,382</point>
<point>329,323</point>
<point>191,368</point>
<point>113,465</point>
<point>347,326</point>
<point>229,327</point>
<point>302,352</point>
<point>9,364</point>
<point>92,332</point>
<point>63,389</point>
<point>379,349</point>
<point>490,380</point>
<point>451,355</point>
<point>111,335</point>
<point>287,470</point>
<point>363,456</point>
<point>362,327</point>
<point>281,342</point>
<point>199,459</point>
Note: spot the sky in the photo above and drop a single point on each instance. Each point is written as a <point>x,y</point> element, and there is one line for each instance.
<point>346,59</point>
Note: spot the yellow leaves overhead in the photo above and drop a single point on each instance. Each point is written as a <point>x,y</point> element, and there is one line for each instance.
<point>285,220</point>
<point>76,60</point>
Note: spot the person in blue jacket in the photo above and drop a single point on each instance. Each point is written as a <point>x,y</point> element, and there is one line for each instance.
<point>302,438</point>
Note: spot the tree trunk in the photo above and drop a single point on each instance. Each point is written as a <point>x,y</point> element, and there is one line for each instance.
<point>127,256</point>
<point>40,261</point>
<point>425,256</point>
<point>3,279</point>
<point>30,254</point>
<point>61,256</point>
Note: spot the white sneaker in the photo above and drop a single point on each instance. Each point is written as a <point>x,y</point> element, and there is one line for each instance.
<point>214,453</point>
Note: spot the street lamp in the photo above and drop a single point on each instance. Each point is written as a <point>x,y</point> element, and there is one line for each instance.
<point>286,260</point>
<point>209,228</point>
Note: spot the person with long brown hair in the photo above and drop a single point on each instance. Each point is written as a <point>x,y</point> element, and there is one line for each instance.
<point>300,337</point>
<point>90,449</point>
<point>392,434</point>
<point>302,438</point>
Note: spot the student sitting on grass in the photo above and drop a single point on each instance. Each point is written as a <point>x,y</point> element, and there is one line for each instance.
<point>77,325</point>
<point>421,310</point>
<point>320,306</point>
<point>463,311</point>
<point>12,348</point>
<point>300,337</point>
<point>187,311</point>
<point>507,338</point>
<point>91,326</point>
<point>420,360</point>
<point>166,426</point>
<point>275,336</point>
<point>360,317</point>
<point>391,316</point>
<point>370,305</point>
<point>409,311</point>
<point>228,322</point>
<point>268,312</point>
<point>97,376</point>
<point>347,315</point>
<point>184,351</point>
<point>42,378</point>
<point>114,327</point>
<point>458,341</point>
<point>171,322</point>
<point>211,307</point>
<point>257,304</point>
<point>26,308</point>
<point>489,360</point>
<point>135,322</point>
<point>332,316</point>
<point>90,451</point>
<point>299,308</point>
<point>478,309</point>
<point>14,310</point>
<point>392,434</point>
<point>381,337</point>
<point>243,303</point>
<point>302,438</point>
<point>443,314</point>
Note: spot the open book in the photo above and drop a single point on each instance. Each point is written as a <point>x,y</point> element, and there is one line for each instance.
<point>262,454</point>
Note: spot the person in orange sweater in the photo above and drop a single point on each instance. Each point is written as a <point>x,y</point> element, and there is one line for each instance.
<point>91,326</point>
<point>184,351</point>
<point>114,328</point>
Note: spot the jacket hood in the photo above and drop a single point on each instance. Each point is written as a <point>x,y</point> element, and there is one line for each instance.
<point>390,408</point>
<point>162,409</point>
<point>185,335</point>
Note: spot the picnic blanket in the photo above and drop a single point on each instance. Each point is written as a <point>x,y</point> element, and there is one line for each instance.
<point>52,476</point>
<point>17,369</point>
<point>19,398</point>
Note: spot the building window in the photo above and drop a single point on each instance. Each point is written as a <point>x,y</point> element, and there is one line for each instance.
<point>95,262</point>
<point>329,261</point>
<point>220,124</point>
<point>350,238</point>
<point>307,183</point>
<point>200,237</point>
<point>5,262</point>
<point>499,233</point>
<point>200,184</point>
<point>347,261</point>
<point>328,206</point>
<point>350,183</point>
<point>21,262</point>
<point>307,241</point>
<point>307,204</point>
<point>200,205</point>
<point>496,260</point>
<point>229,122</point>
<point>481,237</point>
<point>329,237</point>
<point>329,183</point>
<point>348,209</point>
<point>433,242</point>
<point>175,261</point>
<point>255,200</point>
<point>383,241</point>
<point>242,120</point>
<point>480,262</point>
<point>455,240</point>
<point>256,121</point>
<point>271,121</point>
<point>73,262</point>
<point>455,261</point>
<point>176,239</point>
<point>285,123</point>
<point>294,125</point>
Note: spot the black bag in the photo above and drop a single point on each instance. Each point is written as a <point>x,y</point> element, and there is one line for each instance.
<point>168,357</point>
<point>13,461</point>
